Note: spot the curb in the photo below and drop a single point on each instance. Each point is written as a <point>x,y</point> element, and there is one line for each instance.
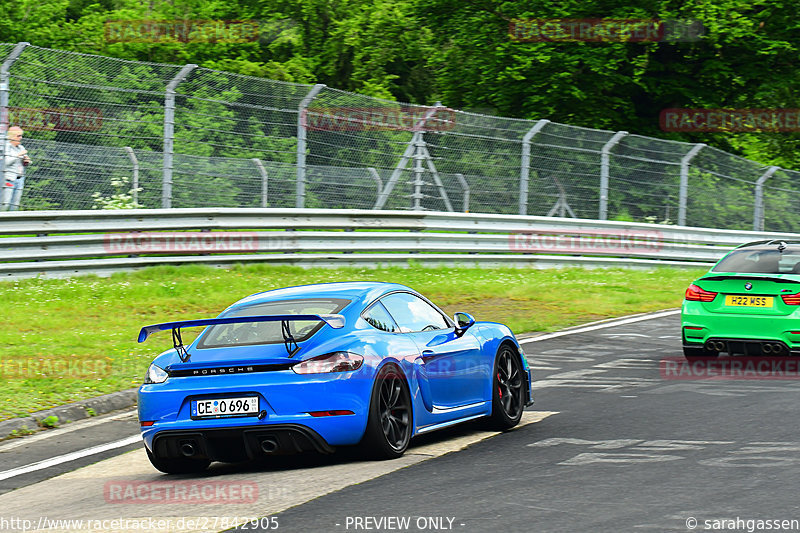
<point>74,411</point>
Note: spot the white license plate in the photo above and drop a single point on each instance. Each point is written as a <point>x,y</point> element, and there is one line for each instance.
<point>222,407</point>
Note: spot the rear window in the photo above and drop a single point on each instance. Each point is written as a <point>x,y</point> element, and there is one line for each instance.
<point>761,261</point>
<point>250,333</point>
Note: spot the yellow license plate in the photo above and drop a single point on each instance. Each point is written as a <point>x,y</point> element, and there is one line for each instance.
<point>734,300</point>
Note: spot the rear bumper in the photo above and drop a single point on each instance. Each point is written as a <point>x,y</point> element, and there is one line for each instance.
<point>747,347</point>
<point>699,326</point>
<point>238,443</point>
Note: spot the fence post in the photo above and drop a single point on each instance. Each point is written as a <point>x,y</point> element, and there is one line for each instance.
<point>525,170</point>
<point>604,172</point>
<point>169,134</point>
<point>416,196</point>
<point>5,76</point>
<point>758,209</point>
<point>135,176</point>
<point>373,172</point>
<point>684,188</point>
<point>300,198</point>
<point>465,188</point>
<point>264,181</point>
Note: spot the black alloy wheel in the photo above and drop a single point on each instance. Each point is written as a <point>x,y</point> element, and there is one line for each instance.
<point>508,390</point>
<point>389,425</point>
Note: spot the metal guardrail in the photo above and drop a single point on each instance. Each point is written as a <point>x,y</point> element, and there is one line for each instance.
<point>65,243</point>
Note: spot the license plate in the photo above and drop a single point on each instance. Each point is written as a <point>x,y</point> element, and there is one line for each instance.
<point>225,407</point>
<point>733,300</point>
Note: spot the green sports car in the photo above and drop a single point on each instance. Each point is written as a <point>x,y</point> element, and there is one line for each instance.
<point>747,304</point>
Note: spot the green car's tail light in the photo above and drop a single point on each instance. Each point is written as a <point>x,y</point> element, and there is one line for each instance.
<point>791,299</point>
<point>696,294</point>
<point>332,362</point>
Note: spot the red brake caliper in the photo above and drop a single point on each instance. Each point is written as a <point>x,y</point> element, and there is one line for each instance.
<point>499,388</point>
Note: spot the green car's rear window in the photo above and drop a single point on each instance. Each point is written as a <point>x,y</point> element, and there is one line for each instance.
<point>761,261</point>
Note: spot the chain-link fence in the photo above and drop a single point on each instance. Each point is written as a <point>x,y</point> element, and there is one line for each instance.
<point>109,132</point>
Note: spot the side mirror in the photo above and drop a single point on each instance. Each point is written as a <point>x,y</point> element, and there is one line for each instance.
<point>463,322</point>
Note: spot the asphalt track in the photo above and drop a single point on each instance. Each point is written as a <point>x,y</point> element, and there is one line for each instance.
<point>613,443</point>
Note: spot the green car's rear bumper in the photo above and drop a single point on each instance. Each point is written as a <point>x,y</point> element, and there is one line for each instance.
<point>743,331</point>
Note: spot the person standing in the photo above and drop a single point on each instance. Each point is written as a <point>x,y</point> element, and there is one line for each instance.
<point>16,159</point>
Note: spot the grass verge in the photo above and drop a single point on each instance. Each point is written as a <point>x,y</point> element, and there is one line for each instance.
<point>67,340</point>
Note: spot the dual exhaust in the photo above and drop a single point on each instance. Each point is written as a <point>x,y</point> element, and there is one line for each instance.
<point>766,347</point>
<point>190,448</point>
<point>775,348</point>
<point>715,346</point>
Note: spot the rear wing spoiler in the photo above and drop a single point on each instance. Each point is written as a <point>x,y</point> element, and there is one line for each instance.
<point>334,321</point>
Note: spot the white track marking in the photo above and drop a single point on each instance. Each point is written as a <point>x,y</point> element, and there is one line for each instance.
<point>72,426</point>
<point>604,325</point>
<point>67,457</point>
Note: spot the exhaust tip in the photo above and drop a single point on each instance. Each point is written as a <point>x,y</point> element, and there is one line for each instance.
<point>187,449</point>
<point>767,348</point>
<point>269,446</point>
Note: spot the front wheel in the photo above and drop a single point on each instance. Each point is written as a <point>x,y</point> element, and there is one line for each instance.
<point>508,390</point>
<point>389,424</point>
<point>181,465</point>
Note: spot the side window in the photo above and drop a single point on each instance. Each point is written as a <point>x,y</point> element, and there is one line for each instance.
<point>379,318</point>
<point>412,313</point>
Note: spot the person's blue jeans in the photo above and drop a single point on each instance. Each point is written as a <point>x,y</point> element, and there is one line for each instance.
<point>10,196</point>
<point>16,193</point>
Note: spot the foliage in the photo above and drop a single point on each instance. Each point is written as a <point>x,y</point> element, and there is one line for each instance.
<point>119,200</point>
<point>49,422</point>
<point>460,52</point>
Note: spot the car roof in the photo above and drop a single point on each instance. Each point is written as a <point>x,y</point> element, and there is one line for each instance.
<point>771,244</point>
<point>351,290</point>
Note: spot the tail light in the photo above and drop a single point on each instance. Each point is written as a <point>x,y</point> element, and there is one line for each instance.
<point>791,299</point>
<point>331,362</point>
<point>696,294</point>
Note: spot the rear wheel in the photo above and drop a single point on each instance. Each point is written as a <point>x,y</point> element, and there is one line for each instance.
<point>181,465</point>
<point>693,354</point>
<point>389,424</point>
<point>508,390</point>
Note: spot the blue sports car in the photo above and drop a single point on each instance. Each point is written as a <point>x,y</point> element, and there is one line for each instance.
<point>319,366</point>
